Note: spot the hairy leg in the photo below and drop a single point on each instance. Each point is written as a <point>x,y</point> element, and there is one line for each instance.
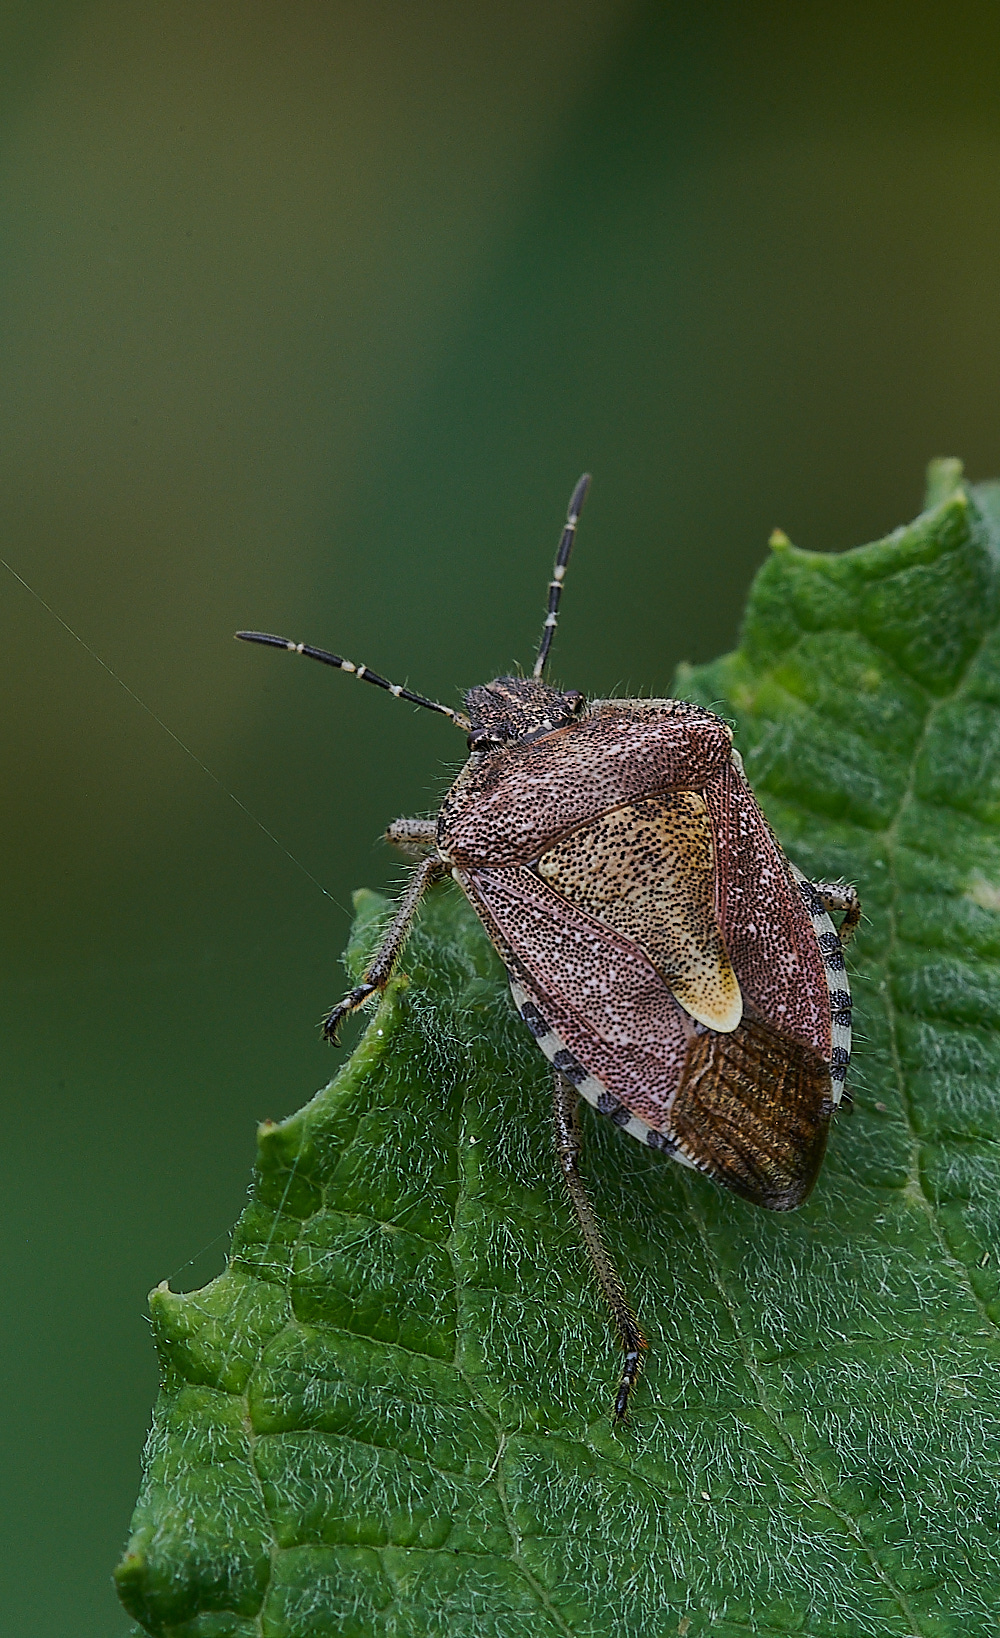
<point>569,1147</point>
<point>417,837</point>
<point>388,953</point>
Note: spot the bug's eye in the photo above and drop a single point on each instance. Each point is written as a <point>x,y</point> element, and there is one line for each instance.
<point>574,700</point>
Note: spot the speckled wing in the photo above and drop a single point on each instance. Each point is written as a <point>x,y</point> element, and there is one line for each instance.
<point>506,810</point>
<point>596,988</point>
<point>768,930</point>
<point>647,869</point>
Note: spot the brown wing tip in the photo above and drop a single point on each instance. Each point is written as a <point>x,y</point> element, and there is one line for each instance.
<point>753,1110</point>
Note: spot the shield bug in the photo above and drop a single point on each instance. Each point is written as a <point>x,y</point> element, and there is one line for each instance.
<point>678,972</point>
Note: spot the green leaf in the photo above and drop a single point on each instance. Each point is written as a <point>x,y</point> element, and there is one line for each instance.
<point>390,1415</point>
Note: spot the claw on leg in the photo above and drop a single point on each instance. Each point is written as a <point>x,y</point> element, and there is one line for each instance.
<point>630,1375</point>
<point>343,1009</point>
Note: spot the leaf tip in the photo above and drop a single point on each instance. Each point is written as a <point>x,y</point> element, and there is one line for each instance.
<point>944,480</point>
<point>162,1301</point>
<point>273,1149</point>
<point>778,540</point>
<point>128,1574</point>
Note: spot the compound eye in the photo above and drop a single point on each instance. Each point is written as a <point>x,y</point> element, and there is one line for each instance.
<point>574,700</point>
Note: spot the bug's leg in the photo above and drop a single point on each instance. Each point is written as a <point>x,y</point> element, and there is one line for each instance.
<point>838,896</point>
<point>569,1146</point>
<point>380,971</point>
<point>417,837</point>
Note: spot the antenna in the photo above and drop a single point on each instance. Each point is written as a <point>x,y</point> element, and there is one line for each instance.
<point>360,671</point>
<point>562,558</point>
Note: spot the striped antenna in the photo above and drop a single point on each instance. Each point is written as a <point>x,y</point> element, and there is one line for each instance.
<point>558,573</point>
<point>361,671</point>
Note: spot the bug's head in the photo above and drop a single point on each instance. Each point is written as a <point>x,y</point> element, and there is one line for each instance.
<point>512,709</point>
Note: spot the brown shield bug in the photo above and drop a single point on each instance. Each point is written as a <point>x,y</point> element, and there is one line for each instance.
<point>673,966</point>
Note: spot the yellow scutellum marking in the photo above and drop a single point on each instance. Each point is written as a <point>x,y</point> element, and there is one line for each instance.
<point>648,870</point>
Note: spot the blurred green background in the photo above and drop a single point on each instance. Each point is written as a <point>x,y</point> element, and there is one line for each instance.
<point>310,316</point>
